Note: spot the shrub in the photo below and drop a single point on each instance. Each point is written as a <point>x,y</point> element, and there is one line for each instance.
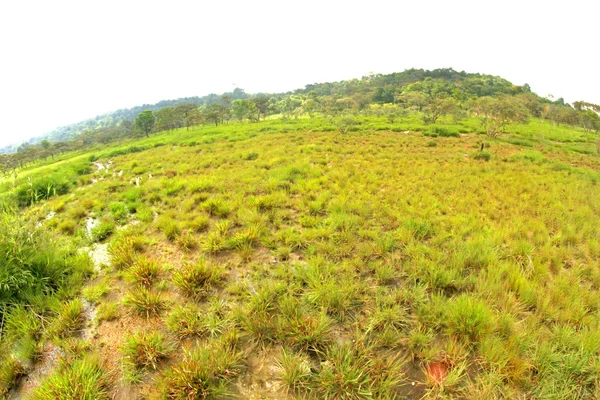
<point>251,156</point>
<point>483,155</point>
<point>442,131</point>
<point>345,124</point>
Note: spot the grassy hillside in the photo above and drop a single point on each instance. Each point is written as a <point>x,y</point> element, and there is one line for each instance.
<point>284,259</point>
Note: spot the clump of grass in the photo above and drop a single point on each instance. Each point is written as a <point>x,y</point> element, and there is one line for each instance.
<point>213,243</point>
<point>187,241</point>
<point>10,372</point>
<point>95,292</point>
<point>102,231</point>
<point>144,301</point>
<point>202,186</point>
<point>119,211</point>
<point>295,373</point>
<point>81,379</point>
<point>68,226</point>
<point>199,224</point>
<point>469,318</point>
<point>420,229</point>
<point>203,373</point>
<point>185,321</point>
<point>283,253</point>
<point>143,272</point>
<point>195,280</point>
<point>217,207</point>
<point>107,311</point>
<point>531,156</point>
<point>141,351</point>
<point>70,319</point>
<point>251,156</point>
<point>124,250</point>
<point>355,372</point>
<point>169,227</point>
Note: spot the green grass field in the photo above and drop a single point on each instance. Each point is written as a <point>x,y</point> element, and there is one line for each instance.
<point>283,259</point>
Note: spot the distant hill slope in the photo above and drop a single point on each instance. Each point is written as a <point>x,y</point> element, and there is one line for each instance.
<point>471,84</point>
<point>112,119</point>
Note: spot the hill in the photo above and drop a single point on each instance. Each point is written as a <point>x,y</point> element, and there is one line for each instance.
<point>467,84</point>
<point>328,250</point>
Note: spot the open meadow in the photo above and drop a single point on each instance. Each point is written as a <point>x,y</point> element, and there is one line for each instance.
<point>286,259</point>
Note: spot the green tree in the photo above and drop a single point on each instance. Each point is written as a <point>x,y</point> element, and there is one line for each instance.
<point>166,119</point>
<point>240,109</point>
<point>498,113</point>
<point>262,105</point>
<point>438,106</point>
<point>145,122</point>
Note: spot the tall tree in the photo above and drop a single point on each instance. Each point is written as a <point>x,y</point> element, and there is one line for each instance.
<point>145,121</point>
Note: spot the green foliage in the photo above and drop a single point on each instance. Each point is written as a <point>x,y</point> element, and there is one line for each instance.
<point>145,122</point>
<point>528,156</point>
<point>340,252</point>
<point>124,250</point>
<point>441,131</point>
<point>41,189</point>
<point>107,311</point>
<point>31,262</point>
<point>296,375</point>
<point>483,155</point>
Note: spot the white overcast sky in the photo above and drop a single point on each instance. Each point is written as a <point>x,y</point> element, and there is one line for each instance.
<point>65,61</point>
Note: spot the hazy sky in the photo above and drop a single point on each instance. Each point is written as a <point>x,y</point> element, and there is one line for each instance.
<point>64,61</point>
